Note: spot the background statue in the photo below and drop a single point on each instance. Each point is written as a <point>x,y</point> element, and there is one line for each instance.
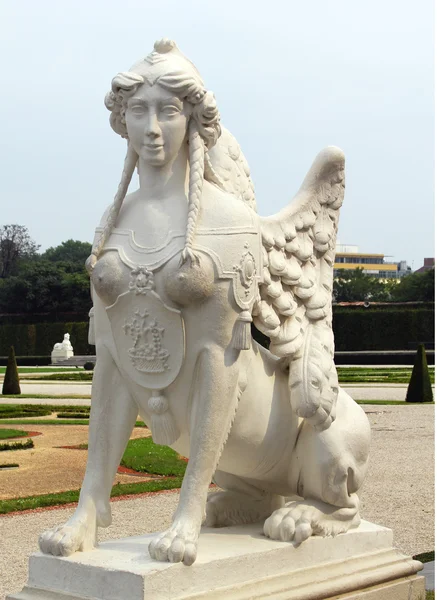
<point>179,270</point>
<point>62,350</point>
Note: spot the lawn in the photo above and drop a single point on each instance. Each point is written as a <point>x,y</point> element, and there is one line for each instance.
<point>22,370</point>
<point>79,376</point>
<point>377,375</point>
<point>141,455</point>
<point>5,434</point>
<point>345,375</point>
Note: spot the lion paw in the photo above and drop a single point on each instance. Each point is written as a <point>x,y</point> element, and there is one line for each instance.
<point>66,539</point>
<point>298,521</point>
<point>174,545</point>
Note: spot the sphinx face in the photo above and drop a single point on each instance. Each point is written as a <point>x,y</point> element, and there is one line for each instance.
<point>156,122</point>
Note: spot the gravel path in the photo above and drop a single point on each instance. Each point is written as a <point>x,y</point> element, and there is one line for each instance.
<point>48,468</point>
<point>398,493</point>
<point>53,388</point>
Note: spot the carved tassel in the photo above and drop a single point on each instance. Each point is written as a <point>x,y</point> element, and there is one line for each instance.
<point>242,337</point>
<point>91,331</point>
<point>164,428</point>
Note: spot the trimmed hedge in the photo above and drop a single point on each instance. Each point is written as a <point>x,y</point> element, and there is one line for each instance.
<point>383,329</point>
<point>39,339</point>
<point>354,329</point>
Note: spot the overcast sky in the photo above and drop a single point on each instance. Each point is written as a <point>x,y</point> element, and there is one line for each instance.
<point>290,77</point>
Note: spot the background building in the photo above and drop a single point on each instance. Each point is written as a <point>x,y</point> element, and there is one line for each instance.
<point>349,258</point>
<point>428,263</point>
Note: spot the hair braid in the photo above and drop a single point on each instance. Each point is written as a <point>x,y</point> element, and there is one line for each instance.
<point>196,148</point>
<point>211,174</point>
<point>126,176</point>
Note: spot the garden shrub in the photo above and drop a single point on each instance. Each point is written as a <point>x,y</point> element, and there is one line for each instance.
<point>419,388</point>
<point>11,382</point>
<point>17,445</point>
<point>72,415</point>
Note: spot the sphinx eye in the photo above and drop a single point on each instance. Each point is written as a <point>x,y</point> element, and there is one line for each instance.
<point>170,110</point>
<point>137,109</point>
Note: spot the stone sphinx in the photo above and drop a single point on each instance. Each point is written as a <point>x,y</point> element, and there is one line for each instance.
<point>180,269</point>
<point>62,350</point>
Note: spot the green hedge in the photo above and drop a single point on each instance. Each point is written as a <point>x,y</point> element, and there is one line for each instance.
<point>383,329</point>
<point>354,329</point>
<point>40,338</point>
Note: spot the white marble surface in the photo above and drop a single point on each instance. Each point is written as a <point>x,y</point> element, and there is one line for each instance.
<point>236,562</point>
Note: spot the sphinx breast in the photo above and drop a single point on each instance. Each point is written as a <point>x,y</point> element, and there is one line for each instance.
<point>110,277</point>
<point>188,283</point>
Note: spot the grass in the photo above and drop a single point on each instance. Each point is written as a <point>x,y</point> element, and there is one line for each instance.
<point>11,411</point>
<point>17,445</point>
<point>430,595</point>
<point>11,433</point>
<point>144,456</point>
<point>80,376</point>
<point>392,402</point>
<point>66,415</point>
<point>32,502</point>
<point>141,454</point>
<point>83,421</point>
<point>377,375</point>
<point>48,396</point>
<point>22,370</point>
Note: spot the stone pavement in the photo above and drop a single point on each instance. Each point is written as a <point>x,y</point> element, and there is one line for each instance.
<point>429,574</point>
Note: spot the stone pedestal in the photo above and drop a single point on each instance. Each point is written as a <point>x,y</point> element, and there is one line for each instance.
<point>61,354</point>
<point>234,563</point>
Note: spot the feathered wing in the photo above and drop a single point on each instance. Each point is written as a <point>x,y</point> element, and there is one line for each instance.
<point>232,169</point>
<point>295,305</point>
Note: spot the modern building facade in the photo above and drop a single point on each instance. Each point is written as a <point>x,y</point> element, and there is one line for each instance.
<point>349,258</point>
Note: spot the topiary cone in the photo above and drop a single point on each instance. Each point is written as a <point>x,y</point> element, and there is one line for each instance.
<point>419,388</point>
<point>11,382</point>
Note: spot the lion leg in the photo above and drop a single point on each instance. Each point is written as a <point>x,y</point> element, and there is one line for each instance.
<point>216,390</point>
<point>327,470</point>
<point>240,502</point>
<point>112,418</point>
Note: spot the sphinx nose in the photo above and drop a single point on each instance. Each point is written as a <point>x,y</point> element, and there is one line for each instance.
<point>152,127</point>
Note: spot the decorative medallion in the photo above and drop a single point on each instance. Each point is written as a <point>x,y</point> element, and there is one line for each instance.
<point>141,280</point>
<point>246,269</point>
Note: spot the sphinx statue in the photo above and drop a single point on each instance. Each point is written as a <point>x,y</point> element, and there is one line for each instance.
<point>180,270</point>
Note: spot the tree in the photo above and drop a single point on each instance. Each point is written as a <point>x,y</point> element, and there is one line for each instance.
<point>71,252</point>
<point>355,286</point>
<point>419,388</point>
<point>417,287</point>
<point>15,244</point>
<point>45,287</point>
<point>11,382</point>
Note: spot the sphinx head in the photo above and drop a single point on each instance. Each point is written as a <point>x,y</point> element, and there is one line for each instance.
<point>160,103</point>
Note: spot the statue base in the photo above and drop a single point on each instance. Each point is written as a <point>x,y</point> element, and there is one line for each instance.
<point>234,563</point>
<point>58,356</point>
